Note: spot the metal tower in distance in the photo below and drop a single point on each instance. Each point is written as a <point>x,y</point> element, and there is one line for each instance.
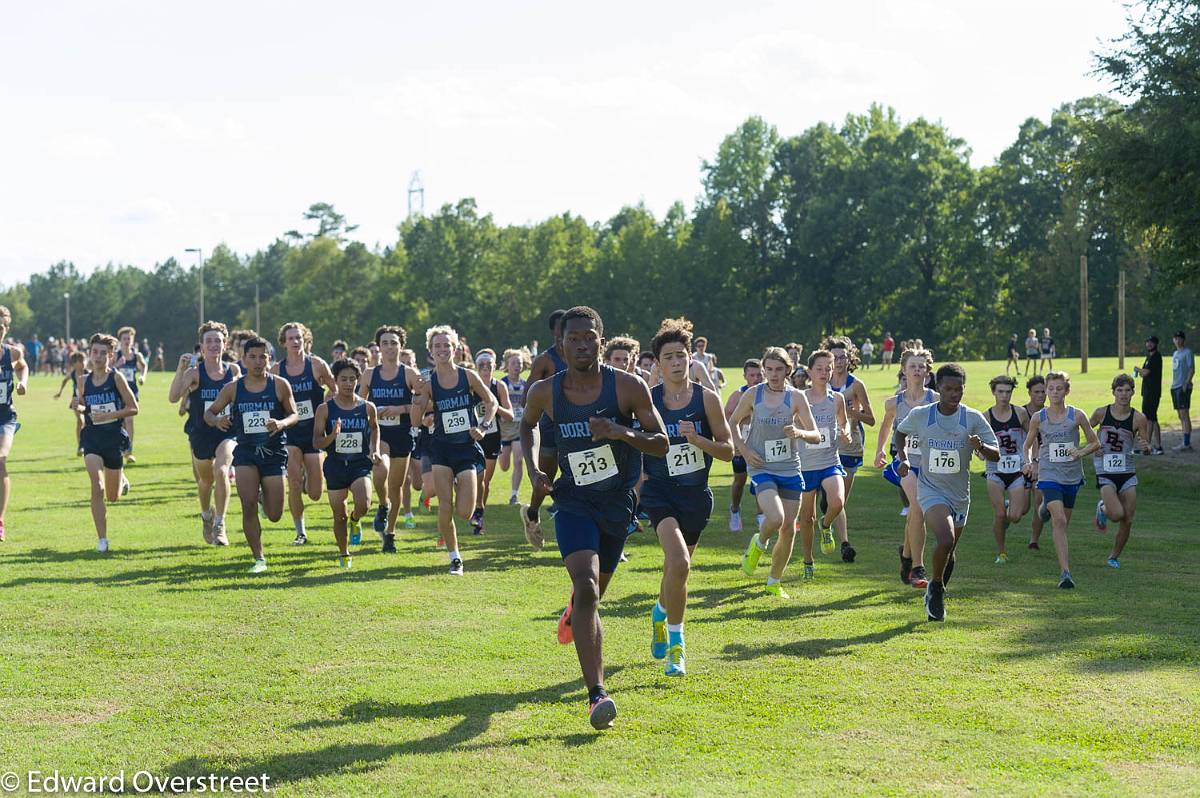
<point>416,194</point>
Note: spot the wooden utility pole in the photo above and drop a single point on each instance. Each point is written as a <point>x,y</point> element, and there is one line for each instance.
<point>1121,321</point>
<point>1083,314</point>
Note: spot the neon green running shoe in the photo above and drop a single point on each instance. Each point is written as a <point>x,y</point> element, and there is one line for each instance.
<point>260,566</point>
<point>827,544</point>
<point>345,562</point>
<point>777,591</point>
<point>675,663</point>
<point>409,523</point>
<point>750,558</point>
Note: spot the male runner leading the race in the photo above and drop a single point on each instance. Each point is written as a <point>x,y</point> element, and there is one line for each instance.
<point>263,411</point>
<point>752,376</point>
<point>545,365</point>
<point>1117,425</point>
<point>14,376</point>
<point>1009,423</point>
<point>1058,466</point>
<point>948,432</point>
<point>676,493</point>
<point>590,408</point>
<point>212,448</point>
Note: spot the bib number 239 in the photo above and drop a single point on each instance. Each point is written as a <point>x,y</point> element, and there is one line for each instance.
<point>592,465</point>
<point>456,421</point>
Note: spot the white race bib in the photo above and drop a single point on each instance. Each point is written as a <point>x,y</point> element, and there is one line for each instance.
<point>777,450</point>
<point>683,458</point>
<point>1060,452</point>
<point>348,443</point>
<point>491,428</point>
<point>254,422</point>
<point>105,407</point>
<point>943,461</point>
<point>456,421</point>
<point>304,410</point>
<point>518,413</point>
<point>1114,461</point>
<point>826,436</point>
<point>1009,464</point>
<point>912,445</point>
<point>224,411</point>
<point>592,465</point>
<point>389,421</point>
<point>129,374</point>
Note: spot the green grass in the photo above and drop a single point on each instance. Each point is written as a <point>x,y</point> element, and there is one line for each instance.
<point>397,679</point>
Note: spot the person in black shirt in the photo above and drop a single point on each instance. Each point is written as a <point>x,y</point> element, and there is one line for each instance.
<point>1151,375</point>
<point>1014,357</point>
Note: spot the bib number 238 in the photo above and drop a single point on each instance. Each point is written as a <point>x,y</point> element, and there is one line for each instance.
<point>592,465</point>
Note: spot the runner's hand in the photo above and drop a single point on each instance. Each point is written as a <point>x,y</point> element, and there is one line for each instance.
<point>688,430</point>
<point>223,423</point>
<point>880,462</point>
<point>902,469</point>
<point>476,433</point>
<point>542,486</point>
<point>975,442</point>
<point>603,428</point>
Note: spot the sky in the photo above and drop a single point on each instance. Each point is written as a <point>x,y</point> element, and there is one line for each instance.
<point>130,132</point>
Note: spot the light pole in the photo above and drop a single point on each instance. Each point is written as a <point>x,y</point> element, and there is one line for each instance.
<point>67,299</point>
<point>200,266</point>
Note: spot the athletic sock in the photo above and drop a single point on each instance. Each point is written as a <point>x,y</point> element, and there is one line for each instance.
<point>454,556</point>
<point>408,514</point>
<point>659,613</point>
<point>675,628</point>
<point>772,580</point>
<point>300,527</point>
<point>596,693</point>
<point>758,542</point>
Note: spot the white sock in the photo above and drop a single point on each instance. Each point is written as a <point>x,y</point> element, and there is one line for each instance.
<point>408,514</point>
<point>761,546</point>
<point>454,556</point>
<point>300,527</point>
<point>659,608</point>
<point>772,580</point>
<point>218,519</point>
<point>675,627</point>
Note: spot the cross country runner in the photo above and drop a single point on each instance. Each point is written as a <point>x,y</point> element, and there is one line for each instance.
<point>516,361</point>
<point>1036,387</point>
<point>1009,423</point>
<point>1058,468</point>
<point>545,365</point>
<point>859,412</point>
<point>14,375</point>
<point>485,363</point>
<point>263,411</point>
<point>591,408</point>
<point>133,367</point>
<point>752,376</point>
<point>1116,426</point>
<point>676,493</point>
<point>821,468</point>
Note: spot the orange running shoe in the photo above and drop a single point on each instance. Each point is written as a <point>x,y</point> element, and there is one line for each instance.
<point>565,635</point>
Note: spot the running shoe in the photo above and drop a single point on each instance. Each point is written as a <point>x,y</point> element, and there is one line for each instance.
<point>848,552</point>
<point>1183,447</point>
<point>735,521</point>
<point>79,452</point>
<point>642,515</point>
<point>355,532</point>
<point>206,525</point>
<point>345,562</point>
<point>533,529</point>
<point>476,523</point>
<point>300,540</point>
<point>675,661</point>
<point>758,519</point>
<point>810,572</point>
<point>425,504</point>
<point>102,545</point>
<point>219,536</point>
<point>125,486</point>
<point>565,635</point>
<point>904,512</point>
<point>129,458</point>
<point>1033,544</point>
<point>456,567</point>
<point>260,566</point>
<point>935,602</point>
<point>777,591</point>
<point>513,499</point>
<point>1065,581</point>
<point>918,578</point>
<point>658,633</point>
<point>409,523</point>
<point>389,543</point>
<point>1001,558</point>
<point>552,510</point>
<point>827,544</point>
<point>1113,562</point>
<point>380,522</point>
<point>441,544</point>
<point>602,712</point>
<point>1,531</point>
<point>905,565</point>
<point>1101,518</point>
<point>1157,450</point>
<point>750,558</point>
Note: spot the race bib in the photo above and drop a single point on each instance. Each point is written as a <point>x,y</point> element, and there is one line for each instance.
<point>1009,464</point>
<point>912,445</point>
<point>826,434</point>
<point>1060,452</point>
<point>106,407</point>
<point>456,421</point>
<point>224,411</point>
<point>592,465</point>
<point>389,421</point>
<point>491,428</point>
<point>777,450</point>
<point>943,461</point>
<point>348,443</point>
<point>254,422</point>
<point>1114,461</point>
<point>304,410</point>
<point>518,413</point>
<point>683,458</point>
<point>129,374</point>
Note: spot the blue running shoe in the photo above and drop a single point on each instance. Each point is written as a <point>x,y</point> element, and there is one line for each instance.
<point>1113,562</point>
<point>658,630</point>
<point>675,661</point>
<point>356,532</point>
<point>1101,518</point>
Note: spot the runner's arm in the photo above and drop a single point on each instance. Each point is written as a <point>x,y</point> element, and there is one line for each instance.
<point>806,430</point>
<point>862,412</point>
<point>537,396</point>
<point>504,404</point>
<point>320,440</point>
<point>224,398</point>
<point>283,392</point>
<point>720,447</point>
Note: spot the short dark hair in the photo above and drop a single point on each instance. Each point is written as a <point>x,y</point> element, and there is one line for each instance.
<point>583,312</point>
<point>950,370</point>
<point>677,331</point>
<point>383,329</point>
<point>752,363</point>
<point>1002,379</point>
<point>1036,379</point>
<point>257,342</point>
<point>340,366</point>
<point>339,344</point>
<point>555,318</point>
<point>1122,379</point>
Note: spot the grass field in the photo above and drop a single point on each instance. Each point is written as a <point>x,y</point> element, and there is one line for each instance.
<point>395,678</point>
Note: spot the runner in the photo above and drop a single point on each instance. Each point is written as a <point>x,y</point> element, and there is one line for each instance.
<point>859,412</point>
<point>78,368</point>
<point>821,468</point>
<point>703,356</point>
<point>212,448</point>
<point>105,400</point>
<point>1058,468</point>
<point>1014,357</point>
<point>337,352</point>
<point>1151,374</point>
<point>456,457</point>
<point>516,361</point>
<point>645,363</point>
<point>1033,352</point>
<point>752,376</point>
<point>590,407</point>
<point>1009,424</point>
<point>14,376</point>
<point>305,373</point>
<point>263,411</point>
<point>485,363</point>
<point>545,365</point>
<point>389,386</point>
<point>133,368</point>
<point>1183,369</point>
<point>1036,387</point>
<point>361,357</point>
<point>915,364</point>
<point>676,492</point>
<point>948,432</point>
<point>346,427</point>
<point>1116,478</point>
<point>776,414</point>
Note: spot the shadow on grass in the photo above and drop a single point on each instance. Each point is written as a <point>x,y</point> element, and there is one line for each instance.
<point>817,648</point>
